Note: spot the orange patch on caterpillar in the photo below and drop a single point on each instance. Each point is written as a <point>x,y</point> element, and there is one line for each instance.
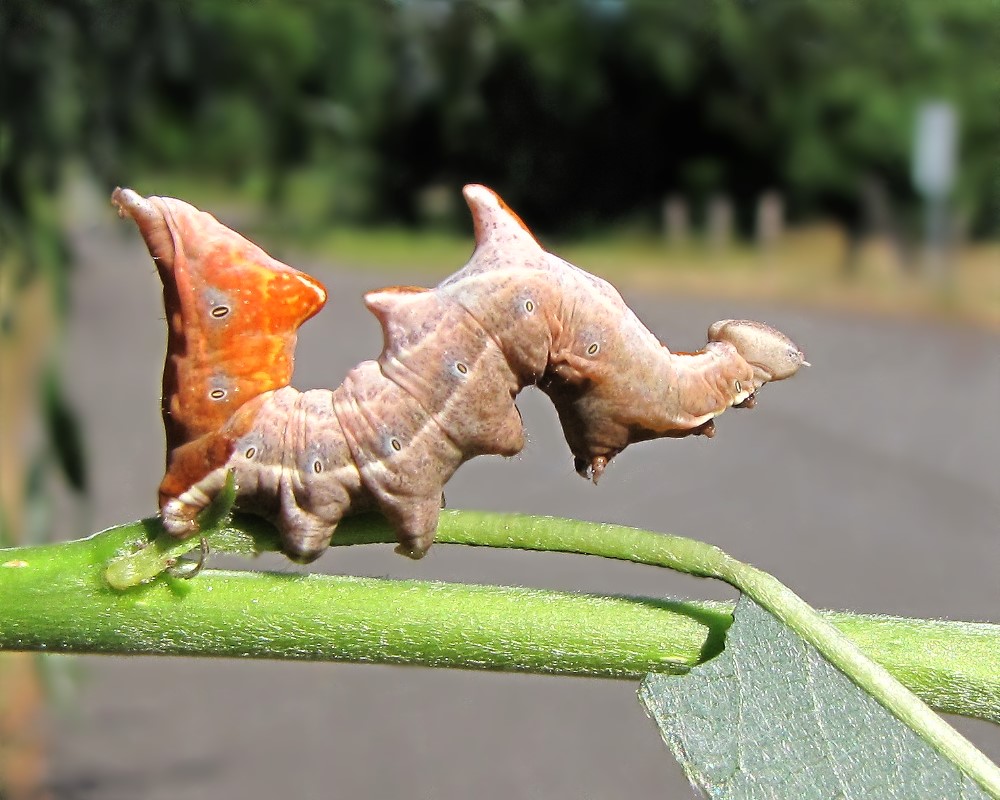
<point>192,462</point>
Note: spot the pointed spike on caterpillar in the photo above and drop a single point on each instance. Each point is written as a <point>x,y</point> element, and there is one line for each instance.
<point>233,313</point>
<point>773,356</point>
<point>141,210</point>
<point>383,302</point>
<point>180,236</point>
<point>387,304</point>
<point>492,219</point>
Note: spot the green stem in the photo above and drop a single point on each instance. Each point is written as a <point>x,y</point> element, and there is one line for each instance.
<point>874,678</point>
<point>58,597</point>
<point>54,598</point>
<point>698,558</point>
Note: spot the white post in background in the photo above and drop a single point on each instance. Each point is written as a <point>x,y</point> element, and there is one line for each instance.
<point>934,156</point>
<point>770,222</point>
<point>676,221</point>
<point>720,222</point>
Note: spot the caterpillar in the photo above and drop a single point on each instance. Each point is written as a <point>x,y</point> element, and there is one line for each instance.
<point>441,392</point>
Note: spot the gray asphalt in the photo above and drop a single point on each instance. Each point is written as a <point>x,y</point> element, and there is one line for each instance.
<point>868,483</point>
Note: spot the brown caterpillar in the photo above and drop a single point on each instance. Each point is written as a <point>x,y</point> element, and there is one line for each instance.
<point>442,391</point>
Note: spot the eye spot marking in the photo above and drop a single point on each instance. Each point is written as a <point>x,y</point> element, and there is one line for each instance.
<point>462,368</point>
<point>396,445</point>
<point>529,306</point>
<point>250,452</point>
<point>592,350</point>
<point>217,394</point>
<point>739,387</point>
<point>220,311</point>
<point>317,467</point>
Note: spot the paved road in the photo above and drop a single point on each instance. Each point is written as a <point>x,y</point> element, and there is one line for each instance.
<point>870,483</point>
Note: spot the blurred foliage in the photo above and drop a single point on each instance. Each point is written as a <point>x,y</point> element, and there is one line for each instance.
<point>63,428</point>
<point>580,112</point>
<point>585,111</point>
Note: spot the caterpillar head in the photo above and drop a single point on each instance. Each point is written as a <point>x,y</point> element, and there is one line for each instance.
<point>772,355</point>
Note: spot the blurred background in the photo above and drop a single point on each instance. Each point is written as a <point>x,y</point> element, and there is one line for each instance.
<point>831,167</point>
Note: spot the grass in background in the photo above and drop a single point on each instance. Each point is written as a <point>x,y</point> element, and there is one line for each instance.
<point>806,267</point>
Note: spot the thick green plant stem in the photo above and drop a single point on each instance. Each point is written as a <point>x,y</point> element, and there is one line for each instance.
<point>59,597</point>
<point>698,558</point>
<point>55,598</point>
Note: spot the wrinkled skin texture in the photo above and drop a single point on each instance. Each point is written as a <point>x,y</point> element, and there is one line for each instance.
<point>442,391</point>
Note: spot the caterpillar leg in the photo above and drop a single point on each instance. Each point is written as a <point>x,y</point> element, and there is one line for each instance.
<point>591,468</point>
<point>195,476</point>
<point>304,537</point>
<point>311,475</point>
<point>403,456</point>
<point>415,521</point>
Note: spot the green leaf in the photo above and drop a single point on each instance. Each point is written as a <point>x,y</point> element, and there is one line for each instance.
<point>771,718</point>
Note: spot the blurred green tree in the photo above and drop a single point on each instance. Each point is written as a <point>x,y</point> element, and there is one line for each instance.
<point>580,111</point>
<point>583,111</point>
